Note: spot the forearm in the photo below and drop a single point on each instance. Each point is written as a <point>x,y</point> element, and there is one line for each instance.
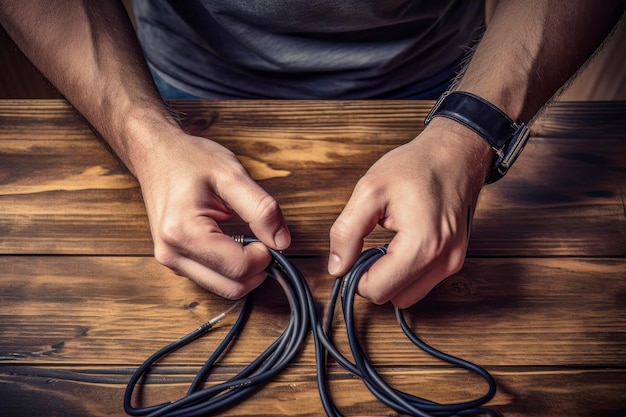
<point>89,51</point>
<point>532,48</point>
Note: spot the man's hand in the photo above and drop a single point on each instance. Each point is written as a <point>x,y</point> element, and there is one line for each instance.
<point>426,192</point>
<point>188,183</point>
<point>191,184</point>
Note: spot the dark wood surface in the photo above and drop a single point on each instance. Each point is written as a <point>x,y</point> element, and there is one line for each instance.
<point>540,301</point>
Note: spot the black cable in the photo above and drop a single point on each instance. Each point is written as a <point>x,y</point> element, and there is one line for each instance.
<point>397,400</point>
<point>304,317</point>
<point>202,402</point>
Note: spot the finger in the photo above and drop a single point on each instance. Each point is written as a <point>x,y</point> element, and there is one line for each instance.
<point>204,243</point>
<point>260,210</point>
<point>438,270</point>
<point>418,288</point>
<point>393,272</point>
<point>217,283</point>
<point>358,218</point>
<point>409,271</point>
<point>222,254</point>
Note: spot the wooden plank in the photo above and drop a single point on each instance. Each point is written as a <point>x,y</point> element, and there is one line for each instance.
<point>551,326</point>
<point>116,311</point>
<point>61,192</point>
<point>521,392</point>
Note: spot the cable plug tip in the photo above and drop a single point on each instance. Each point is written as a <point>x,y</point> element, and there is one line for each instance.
<point>217,319</point>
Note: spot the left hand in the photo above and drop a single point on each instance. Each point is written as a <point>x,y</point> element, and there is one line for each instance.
<point>426,192</point>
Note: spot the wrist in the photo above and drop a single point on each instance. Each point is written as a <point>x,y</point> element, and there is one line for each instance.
<point>468,147</point>
<point>489,122</point>
<point>143,135</point>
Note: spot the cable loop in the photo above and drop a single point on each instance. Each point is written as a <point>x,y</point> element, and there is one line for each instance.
<point>201,401</point>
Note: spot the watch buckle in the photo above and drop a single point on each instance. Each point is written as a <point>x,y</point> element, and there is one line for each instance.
<point>513,149</point>
<point>432,111</point>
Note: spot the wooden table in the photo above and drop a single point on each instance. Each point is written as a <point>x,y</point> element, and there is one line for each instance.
<point>540,302</point>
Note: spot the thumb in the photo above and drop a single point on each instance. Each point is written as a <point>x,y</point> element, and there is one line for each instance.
<point>358,218</point>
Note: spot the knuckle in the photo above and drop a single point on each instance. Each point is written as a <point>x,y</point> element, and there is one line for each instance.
<point>456,260</point>
<point>166,256</point>
<point>267,207</point>
<point>168,243</point>
<point>340,231</point>
<point>235,291</point>
<point>455,263</point>
<point>172,234</point>
<point>231,173</point>
<point>368,182</point>
<point>375,295</point>
<point>368,187</point>
<point>378,299</point>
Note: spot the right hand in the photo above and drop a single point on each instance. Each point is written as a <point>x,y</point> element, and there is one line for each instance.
<point>190,183</point>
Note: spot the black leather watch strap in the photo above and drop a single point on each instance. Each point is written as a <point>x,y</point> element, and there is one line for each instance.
<point>489,122</point>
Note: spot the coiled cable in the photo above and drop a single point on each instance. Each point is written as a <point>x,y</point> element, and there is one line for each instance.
<point>400,401</point>
<point>305,316</point>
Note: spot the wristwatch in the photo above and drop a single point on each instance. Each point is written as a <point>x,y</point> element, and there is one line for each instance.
<point>505,136</point>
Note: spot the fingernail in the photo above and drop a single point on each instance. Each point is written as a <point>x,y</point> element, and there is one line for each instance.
<point>334,264</point>
<point>282,238</point>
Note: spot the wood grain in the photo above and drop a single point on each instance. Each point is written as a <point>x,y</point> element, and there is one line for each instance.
<point>499,312</point>
<point>540,301</point>
<point>64,193</point>
<point>521,391</point>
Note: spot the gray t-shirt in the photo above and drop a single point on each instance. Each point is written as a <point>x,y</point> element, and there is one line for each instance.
<point>308,49</point>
